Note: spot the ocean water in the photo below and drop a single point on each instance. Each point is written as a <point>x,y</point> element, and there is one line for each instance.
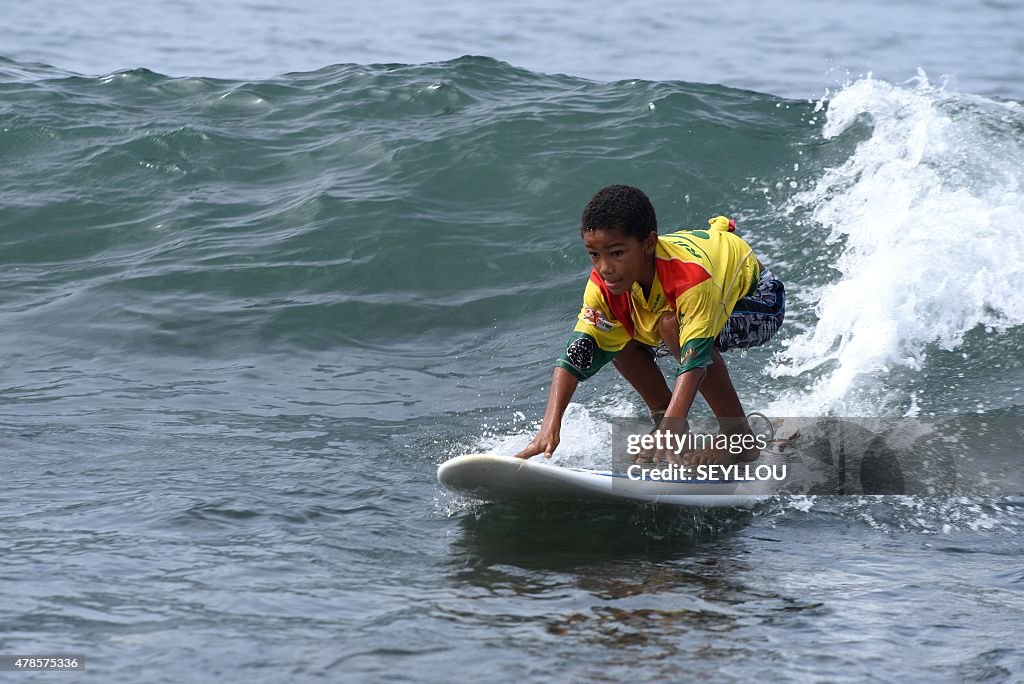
<point>795,48</point>
<point>245,313</point>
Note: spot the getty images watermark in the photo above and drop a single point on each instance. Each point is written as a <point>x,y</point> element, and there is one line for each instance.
<point>948,455</point>
<point>678,446</point>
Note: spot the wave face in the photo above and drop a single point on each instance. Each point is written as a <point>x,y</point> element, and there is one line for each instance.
<point>360,221</point>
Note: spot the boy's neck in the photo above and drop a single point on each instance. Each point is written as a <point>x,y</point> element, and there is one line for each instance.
<point>646,282</point>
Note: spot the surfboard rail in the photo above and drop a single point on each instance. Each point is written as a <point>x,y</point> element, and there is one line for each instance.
<point>491,477</point>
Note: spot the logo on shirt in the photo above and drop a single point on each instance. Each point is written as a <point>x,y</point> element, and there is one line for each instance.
<point>581,353</point>
<point>596,319</point>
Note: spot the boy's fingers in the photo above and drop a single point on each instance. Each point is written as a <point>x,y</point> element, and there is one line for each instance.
<point>530,450</point>
<point>536,447</point>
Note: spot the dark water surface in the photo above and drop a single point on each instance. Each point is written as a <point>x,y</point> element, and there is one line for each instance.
<point>794,48</point>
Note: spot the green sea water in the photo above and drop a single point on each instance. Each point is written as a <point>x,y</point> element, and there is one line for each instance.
<point>243,322</point>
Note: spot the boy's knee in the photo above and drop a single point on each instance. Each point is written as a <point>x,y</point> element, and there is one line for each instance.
<point>632,352</point>
<point>668,330</point>
<point>668,327</point>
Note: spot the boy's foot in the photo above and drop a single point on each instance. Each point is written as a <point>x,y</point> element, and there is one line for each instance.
<point>718,457</point>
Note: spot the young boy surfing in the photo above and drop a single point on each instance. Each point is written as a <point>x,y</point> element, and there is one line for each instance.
<point>691,294</point>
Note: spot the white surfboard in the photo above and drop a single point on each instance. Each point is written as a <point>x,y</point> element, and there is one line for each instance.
<point>504,478</point>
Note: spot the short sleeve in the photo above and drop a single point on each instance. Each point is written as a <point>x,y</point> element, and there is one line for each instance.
<point>595,340</point>
<point>700,320</point>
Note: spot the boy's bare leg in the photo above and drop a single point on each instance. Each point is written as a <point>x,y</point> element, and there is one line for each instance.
<point>640,371</point>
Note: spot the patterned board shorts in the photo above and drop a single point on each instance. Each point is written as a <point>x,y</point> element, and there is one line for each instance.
<point>755,319</point>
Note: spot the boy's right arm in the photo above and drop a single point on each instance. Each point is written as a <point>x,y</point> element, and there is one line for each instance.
<point>563,385</point>
<point>596,339</point>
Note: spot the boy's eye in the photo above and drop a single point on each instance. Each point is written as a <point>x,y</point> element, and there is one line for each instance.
<point>617,253</point>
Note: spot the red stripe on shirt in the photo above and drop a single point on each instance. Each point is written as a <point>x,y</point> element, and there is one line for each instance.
<point>620,306</point>
<point>678,276</point>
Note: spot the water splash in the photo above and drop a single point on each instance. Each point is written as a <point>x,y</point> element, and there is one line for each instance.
<point>586,435</point>
<point>930,217</point>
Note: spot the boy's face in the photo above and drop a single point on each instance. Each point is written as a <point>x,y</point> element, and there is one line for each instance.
<point>621,259</point>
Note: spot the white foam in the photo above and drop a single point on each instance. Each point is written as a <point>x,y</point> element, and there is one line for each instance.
<point>932,215</point>
<point>586,435</point>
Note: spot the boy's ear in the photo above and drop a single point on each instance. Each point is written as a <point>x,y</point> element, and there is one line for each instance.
<point>650,242</point>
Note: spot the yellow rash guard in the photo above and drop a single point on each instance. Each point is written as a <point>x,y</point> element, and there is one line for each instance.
<point>699,274</point>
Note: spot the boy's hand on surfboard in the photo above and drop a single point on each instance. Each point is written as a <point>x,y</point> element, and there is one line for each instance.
<point>544,443</point>
<point>668,433</point>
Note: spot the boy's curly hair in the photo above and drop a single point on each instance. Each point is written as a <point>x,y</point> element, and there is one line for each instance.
<point>621,207</point>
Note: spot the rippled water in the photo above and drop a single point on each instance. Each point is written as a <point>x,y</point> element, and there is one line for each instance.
<point>796,48</point>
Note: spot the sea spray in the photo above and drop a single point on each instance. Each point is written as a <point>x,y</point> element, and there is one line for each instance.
<point>930,216</point>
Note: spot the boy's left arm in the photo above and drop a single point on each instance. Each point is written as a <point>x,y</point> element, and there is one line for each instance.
<point>683,394</point>
<point>697,321</point>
